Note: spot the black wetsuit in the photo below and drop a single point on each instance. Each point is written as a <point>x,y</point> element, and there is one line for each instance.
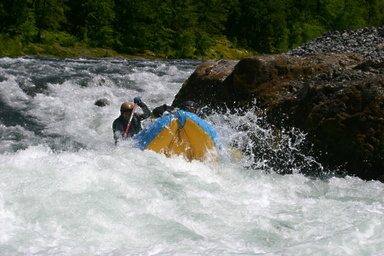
<point>159,111</point>
<point>120,124</point>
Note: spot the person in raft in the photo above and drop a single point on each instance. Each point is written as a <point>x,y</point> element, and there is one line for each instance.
<point>120,124</point>
<point>164,109</point>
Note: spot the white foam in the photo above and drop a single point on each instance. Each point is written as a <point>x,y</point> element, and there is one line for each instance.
<point>67,190</point>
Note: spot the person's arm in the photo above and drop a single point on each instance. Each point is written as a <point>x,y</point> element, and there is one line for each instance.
<point>147,112</point>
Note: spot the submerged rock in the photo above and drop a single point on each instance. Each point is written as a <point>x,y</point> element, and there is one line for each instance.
<point>102,102</point>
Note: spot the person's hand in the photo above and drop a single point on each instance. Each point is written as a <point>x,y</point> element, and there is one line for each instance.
<point>136,99</point>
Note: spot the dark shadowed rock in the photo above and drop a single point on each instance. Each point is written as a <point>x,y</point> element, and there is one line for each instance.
<point>332,88</point>
<point>102,102</point>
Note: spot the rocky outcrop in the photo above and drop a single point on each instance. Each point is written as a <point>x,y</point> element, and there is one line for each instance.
<point>208,82</point>
<point>337,99</point>
<point>332,88</point>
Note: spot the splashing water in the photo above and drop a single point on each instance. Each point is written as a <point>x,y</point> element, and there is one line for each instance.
<point>65,189</point>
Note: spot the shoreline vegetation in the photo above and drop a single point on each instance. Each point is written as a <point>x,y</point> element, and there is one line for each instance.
<point>188,29</point>
<point>223,49</point>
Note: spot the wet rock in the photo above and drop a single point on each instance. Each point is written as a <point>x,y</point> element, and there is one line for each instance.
<point>102,102</point>
<point>343,113</point>
<point>336,98</point>
<point>208,81</point>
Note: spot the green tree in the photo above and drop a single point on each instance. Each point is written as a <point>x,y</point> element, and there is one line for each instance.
<point>182,28</point>
<point>99,17</point>
<point>302,22</point>
<point>183,21</point>
<point>275,31</point>
<point>76,19</point>
<point>213,15</point>
<point>49,15</point>
<point>354,15</point>
<point>375,12</point>
<point>13,13</point>
<point>260,25</point>
<point>249,27</point>
<point>136,24</point>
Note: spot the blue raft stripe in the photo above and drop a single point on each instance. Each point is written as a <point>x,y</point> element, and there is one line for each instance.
<point>147,135</point>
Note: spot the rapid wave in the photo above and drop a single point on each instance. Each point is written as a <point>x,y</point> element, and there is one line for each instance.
<point>65,189</point>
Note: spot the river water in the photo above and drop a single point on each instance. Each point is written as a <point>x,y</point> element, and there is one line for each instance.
<point>65,189</point>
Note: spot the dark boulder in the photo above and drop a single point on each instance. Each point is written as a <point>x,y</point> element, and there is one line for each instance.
<point>208,83</point>
<point>337,99</point>
<point>102,102</point>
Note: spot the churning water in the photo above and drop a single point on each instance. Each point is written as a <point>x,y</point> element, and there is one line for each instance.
<point>65,189</point>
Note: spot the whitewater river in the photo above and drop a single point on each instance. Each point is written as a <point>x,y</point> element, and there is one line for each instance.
<point>65,189</point>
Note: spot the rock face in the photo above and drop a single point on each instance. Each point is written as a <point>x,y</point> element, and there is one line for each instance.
<point>336,98</point>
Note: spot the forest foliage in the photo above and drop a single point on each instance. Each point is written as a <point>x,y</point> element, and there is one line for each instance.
<point>180,28</point>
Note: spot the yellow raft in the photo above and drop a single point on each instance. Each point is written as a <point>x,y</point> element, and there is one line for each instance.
<point>180,133</point>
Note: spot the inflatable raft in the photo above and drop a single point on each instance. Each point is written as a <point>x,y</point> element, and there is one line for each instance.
<point>181,133</point>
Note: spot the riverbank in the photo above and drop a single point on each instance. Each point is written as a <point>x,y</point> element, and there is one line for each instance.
<point>223,49</point>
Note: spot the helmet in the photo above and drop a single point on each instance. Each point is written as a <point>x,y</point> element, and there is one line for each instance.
<point>126,107</point>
